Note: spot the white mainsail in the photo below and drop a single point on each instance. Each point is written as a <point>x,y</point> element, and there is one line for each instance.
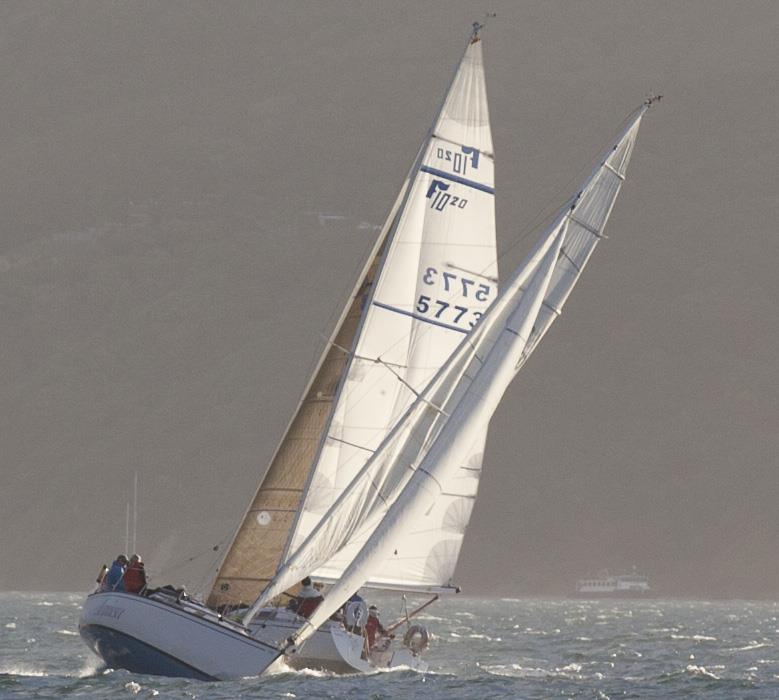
<point>517,317</point>
<point>436,276</point>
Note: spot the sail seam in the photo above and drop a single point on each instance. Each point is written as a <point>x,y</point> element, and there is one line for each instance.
<point>351,444</point>
<point>273,510</point>
<point>570,259</point>
<point>553,309</point>
<point>608,166</point>
<point>489,155</point>
<point>491,278</point>
<point>456,178</point>
<point>418,317</point>
<point>586,227</point>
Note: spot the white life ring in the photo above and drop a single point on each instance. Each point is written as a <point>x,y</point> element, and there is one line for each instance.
<point>355,614</point>
<point>416,638</point>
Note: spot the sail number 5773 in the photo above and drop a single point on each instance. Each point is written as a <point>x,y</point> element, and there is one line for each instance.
<point>452,282</point>
<point>448,311</point>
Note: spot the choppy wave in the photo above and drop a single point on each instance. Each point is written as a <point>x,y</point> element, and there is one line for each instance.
<point>502,649</point>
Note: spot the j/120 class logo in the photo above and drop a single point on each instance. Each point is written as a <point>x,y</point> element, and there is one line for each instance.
<point>440,198</point>
<point>462,160</point>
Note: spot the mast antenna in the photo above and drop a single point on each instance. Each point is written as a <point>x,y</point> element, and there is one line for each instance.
<point>651,98</point>
<point>478,26</point>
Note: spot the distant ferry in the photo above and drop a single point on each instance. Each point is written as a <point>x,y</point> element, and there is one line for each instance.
<point>614,586</point>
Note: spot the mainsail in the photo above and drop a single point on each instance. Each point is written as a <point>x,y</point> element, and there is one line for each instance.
<point>493,354</point>
<point>432,276</point>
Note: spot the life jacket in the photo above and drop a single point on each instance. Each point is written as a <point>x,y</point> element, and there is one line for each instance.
<point>134,578</point>
<point>307,605</point>
<point>372,626</point>
<point>114,579</point>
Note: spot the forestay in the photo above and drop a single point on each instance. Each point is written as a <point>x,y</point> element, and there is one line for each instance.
<point>512,324</point>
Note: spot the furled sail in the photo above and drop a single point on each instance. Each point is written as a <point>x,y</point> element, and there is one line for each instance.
<point>432,276</point>
<point>513,326</point>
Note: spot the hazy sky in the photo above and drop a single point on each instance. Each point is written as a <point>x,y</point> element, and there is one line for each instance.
<point>166,274</point>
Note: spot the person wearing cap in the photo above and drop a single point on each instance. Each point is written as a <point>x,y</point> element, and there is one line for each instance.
<point>308,597</point>
<point>135,575</point>
<point>373,626</point>
<point>114,579</point>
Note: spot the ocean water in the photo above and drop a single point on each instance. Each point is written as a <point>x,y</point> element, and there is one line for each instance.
<point>482,648</point>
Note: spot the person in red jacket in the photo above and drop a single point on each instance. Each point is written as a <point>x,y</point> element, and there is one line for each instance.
<point>135,575</point>
<point>373,626</point>
<point>308,598</point>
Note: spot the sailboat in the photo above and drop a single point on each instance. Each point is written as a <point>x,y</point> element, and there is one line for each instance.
<point>374,481</point>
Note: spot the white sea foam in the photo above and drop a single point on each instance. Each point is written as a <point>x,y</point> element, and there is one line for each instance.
<point>22,670</point>
<point>92,664</point>
<point>753,645</point>
<point>10,626</point>
<point>700,672</point>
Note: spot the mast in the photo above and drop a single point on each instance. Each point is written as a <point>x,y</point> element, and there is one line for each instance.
<point>127,528</point>
<point>135,511</point>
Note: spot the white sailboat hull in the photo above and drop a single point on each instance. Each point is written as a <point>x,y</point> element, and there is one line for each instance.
<point>144,635</point>
<point>331,648</point>
<point>351,649</point>
<point>275,625</point>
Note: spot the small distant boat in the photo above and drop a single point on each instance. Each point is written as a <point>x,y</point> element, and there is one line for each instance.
<point>606,585</point>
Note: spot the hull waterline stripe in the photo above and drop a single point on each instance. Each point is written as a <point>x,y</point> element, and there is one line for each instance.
<point>98,633</point>
<point>456,178</point>
<point>433,322</point>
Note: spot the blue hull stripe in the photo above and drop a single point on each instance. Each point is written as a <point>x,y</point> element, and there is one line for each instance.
<point>120,650</point>
<point>456,178</point>
<point>420,318</point>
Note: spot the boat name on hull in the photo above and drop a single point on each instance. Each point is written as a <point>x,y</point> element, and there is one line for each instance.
<point>106,610</point>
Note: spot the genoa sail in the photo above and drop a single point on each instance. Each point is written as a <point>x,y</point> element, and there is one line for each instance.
<point>432,276</point>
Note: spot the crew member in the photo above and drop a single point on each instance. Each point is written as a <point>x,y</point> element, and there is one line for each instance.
<point>309,598</point>
<point>373,626</point>
<point>114,579</point>
<point>135,575</point>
